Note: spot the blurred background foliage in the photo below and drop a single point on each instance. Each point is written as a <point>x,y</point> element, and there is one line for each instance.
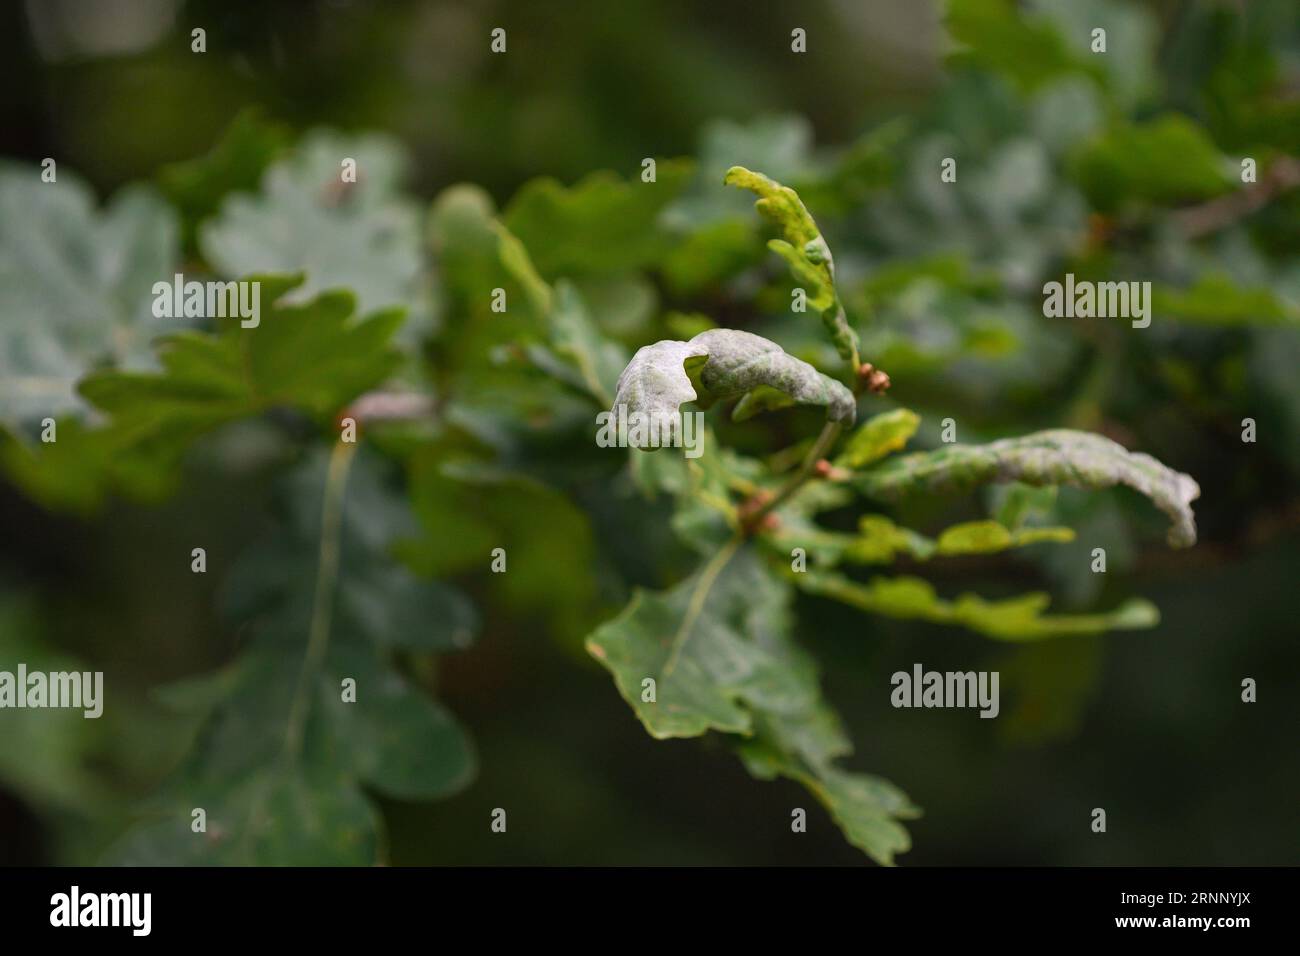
<point>1117,166</point>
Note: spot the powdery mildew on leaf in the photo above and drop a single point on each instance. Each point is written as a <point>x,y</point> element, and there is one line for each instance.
<point>1054,457</point>
<point>655,382</point>
<point>725,363</point>
<point>740,362</point>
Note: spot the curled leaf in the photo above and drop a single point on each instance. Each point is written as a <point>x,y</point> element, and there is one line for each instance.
<point>655,383</point>
<point>741,362</point>
<point>803,249</point>
<point>725,363</point>
<point>1055,457</point>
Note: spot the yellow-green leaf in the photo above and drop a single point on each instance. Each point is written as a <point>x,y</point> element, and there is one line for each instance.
<point>878,437</point>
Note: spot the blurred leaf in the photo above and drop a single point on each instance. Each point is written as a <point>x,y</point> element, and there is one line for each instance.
<point>1165,160</point>
<point>314,357</point>
<point>42,752</point>
<point>76,286</point>
<point>601,224</point>
<point>461,517</point>
<point>710,255</point>
<point>1014,503</point>
<point>878,541</point>
<point>1217,300</point>
<point>197,187</point>
<point>995,35</point>
<point>572,332</point>
<point>362,236</point>
<point>1049,685</point>
<point>70,474</point>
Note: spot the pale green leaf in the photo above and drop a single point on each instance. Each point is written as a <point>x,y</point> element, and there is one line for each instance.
<point>362,236</point>
<point>76,287</point>
<point>879,436</point>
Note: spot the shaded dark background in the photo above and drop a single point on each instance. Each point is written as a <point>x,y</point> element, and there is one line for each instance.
<point>1148,725</point>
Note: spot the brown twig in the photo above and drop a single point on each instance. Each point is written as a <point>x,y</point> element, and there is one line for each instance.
<point>1196,221</point>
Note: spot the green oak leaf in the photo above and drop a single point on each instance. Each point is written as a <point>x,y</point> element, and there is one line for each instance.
<point>1053,457</point>
<point>865,807</point>
<point>377,597</point>
<point>804,250</point>
<point>879,436</point>
<point>880,541</point>
<point>717,652</point>
<point>1020,618</point>
<point>314,357</point>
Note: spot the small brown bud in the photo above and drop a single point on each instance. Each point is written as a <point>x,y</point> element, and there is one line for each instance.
<point>875,380</point>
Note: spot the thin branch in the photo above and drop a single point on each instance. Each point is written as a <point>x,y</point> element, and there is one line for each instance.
<point>1208,217</point>
<point>830,431</point>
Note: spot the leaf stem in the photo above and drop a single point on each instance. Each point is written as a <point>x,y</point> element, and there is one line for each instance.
<point>327,573</point>
<point>830,431</point>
